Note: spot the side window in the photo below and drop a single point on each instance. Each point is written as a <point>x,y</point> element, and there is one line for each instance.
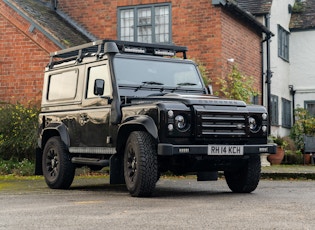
<point>63,86</point>
<point>96,75</point>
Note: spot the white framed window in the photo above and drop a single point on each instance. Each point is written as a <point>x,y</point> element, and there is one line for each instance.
<point>145,23</point>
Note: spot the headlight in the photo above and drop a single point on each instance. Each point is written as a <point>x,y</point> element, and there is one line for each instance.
<point>254,126</point>
<point>180,122</point>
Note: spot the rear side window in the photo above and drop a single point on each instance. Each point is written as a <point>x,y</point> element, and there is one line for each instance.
<point>63,86</point>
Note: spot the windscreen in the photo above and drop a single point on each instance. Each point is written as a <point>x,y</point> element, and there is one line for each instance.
<point>157,73</point>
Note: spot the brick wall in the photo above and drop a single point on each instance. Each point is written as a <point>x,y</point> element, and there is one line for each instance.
<point>211,34</point>
<point>23,56</point>
<point>244,46</point>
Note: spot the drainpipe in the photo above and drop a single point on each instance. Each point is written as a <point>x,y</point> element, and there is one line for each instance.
<point>268,71</point>
<point>53,4</point>
<point>292,92</point>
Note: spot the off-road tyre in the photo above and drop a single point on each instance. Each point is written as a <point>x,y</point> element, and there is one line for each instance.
<point>58,169</point>
<point>140,164</point>
<point>245,179</point>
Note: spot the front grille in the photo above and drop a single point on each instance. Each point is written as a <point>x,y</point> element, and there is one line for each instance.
<point>221,124</point>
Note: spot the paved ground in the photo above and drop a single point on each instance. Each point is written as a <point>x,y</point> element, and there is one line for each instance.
<point>178,203</point>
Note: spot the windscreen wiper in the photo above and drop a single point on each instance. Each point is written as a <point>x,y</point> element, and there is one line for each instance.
<point>179,85</point>
<point>148,83</point>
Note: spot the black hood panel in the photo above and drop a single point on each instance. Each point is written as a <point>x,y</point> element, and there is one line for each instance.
<point>190,100</point>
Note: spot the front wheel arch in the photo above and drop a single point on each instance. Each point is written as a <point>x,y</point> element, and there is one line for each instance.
<point>136,123</point>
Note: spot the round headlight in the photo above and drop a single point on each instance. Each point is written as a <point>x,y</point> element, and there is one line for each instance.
<point>180,122</point>
<point>253,125</point>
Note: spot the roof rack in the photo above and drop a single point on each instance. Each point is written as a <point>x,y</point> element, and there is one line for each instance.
<point>96,48</point>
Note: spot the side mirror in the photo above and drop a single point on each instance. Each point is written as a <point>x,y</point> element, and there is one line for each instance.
<point>99,87</point>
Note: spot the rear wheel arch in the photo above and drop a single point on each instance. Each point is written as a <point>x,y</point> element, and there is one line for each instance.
<point>55,130</point>
<point>49,132</point>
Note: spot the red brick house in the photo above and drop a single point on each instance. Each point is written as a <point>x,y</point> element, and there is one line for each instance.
<point>214,31</point>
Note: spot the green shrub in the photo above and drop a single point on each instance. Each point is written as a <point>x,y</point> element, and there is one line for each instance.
<point>237,86</point>
<point>18,131</point>
<point>17,168</point>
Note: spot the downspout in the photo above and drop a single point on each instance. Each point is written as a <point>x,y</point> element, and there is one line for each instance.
<point>53,4</point>
<point>292,92</point>
<point>269,73</point>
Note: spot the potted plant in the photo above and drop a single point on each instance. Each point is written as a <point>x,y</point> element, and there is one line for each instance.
<point>276,159</point>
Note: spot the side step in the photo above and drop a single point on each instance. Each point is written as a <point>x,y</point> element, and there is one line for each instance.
<point>89,161</point>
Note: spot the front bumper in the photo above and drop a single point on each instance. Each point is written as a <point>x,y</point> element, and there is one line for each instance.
<point>170,150</point>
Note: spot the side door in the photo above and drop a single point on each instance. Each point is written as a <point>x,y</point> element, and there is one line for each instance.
<point>94,118</point>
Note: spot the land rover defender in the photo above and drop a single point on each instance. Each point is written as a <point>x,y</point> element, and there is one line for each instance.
<point>133,108</point>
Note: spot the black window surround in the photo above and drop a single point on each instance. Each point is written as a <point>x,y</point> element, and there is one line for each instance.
<point>145,23</point>
<point>283,43</point>
<point>286,113</point>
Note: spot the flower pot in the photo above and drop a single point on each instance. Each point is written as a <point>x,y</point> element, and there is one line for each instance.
<point>276,159</point>
<point>307,158</point>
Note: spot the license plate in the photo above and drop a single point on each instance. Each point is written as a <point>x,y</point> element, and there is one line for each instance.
<point>226,150</point>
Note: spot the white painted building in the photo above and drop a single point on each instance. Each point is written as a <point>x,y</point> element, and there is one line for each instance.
<point>302,65</point>
<point>280,58</point>
<point>292,58</point>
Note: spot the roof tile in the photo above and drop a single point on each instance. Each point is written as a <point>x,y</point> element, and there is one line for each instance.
<point>255,6</point>
<point>303,15</point>
<point>47,18</point>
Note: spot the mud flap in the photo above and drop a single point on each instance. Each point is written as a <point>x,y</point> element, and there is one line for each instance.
<point>207,176</point>
<point>38,162</point>
<point>116,170</point>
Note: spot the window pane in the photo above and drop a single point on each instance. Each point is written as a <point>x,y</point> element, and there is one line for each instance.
<point>283,43</point>
<point>97,72</point>
<point>274,110</point>
<point>162,24</point>
<point>149,23</point>
<point>127,25</point>
<point>180,75</point>
<point>310,106</point>
<point>144,25</point>
<point>63,86</point>
<point>286,113</point>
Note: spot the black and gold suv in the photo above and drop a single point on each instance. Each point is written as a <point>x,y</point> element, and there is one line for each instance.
<point>132,107</point>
